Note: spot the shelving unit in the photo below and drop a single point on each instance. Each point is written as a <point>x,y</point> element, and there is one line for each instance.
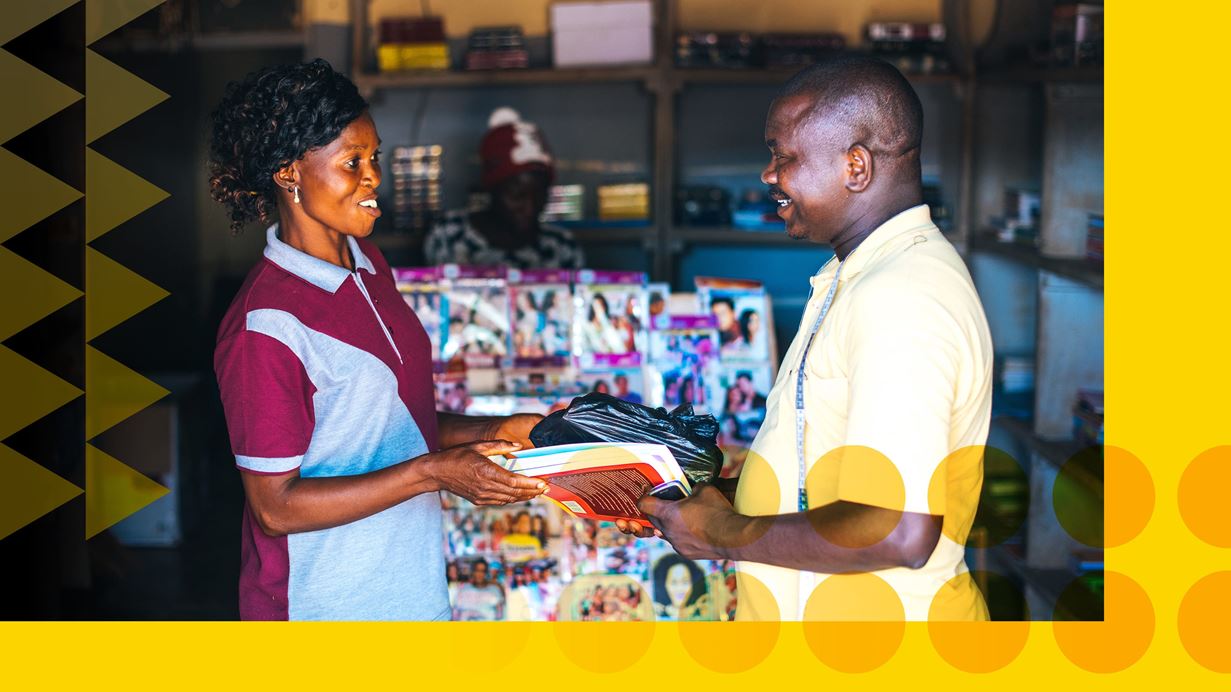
<point>664,83</point>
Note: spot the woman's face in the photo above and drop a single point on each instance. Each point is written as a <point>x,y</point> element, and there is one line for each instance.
<point>337,182</point>
<point>522,524</point>
<point>679,584</point>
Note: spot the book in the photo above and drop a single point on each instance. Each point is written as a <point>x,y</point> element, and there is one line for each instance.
<point>598,480</point>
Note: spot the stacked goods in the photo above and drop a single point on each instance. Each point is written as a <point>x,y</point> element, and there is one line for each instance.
<point>702,205</point>
<point>416,186</point>
<point>796,50</point>
<point>624,202</point>
<point>715,49</point>
<point>497,48</point>
<point>1020,223</point>
<point>1088,417</point>
<point>1094,238</point>
<point>565,203</point>
<point>412,43</point>
<point>911,47</point>
<point>1077,34</point>
<point>602,33</point>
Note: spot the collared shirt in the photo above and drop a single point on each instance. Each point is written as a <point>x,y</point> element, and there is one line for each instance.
<point>898,383</point>
<point>328,371</point>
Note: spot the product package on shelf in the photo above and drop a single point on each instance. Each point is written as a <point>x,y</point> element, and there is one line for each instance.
<point>741,308</point>
<point>542,317</point>
<point>609,318</point>
<point>744,389</point>
<point>452,390</point>
<point>658,305</point>
<point>477,330</point>
<point>420,288</point>
<point>683,360</point>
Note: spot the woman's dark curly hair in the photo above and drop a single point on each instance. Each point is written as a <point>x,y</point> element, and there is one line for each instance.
<point>270,119</point>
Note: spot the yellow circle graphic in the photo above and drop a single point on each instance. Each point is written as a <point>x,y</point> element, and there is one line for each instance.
<point>857,474</point>
<point>1202,496</point>
<point>974,646</point>
<point>854,623</point>
<point>1123,635</point>
<point>1077,496</point>
<point>1203,618</point>
<point>988,476</point>
<point>615,637</point>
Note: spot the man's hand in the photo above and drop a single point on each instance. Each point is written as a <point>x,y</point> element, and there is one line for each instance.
<point>466,471</point>
<point>514,428</point>
<point>700,527</point>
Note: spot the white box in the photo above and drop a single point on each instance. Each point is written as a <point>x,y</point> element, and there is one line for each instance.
<point>603,33</point>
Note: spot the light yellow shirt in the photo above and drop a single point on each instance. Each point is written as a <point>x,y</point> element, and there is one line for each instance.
<point>902,367</point>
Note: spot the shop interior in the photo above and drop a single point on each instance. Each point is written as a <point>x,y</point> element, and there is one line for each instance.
<point>659,149</point>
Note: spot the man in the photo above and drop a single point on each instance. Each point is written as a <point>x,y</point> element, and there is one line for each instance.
<point>896,380</point>
<point>723,309</point>
<point>518,169</point>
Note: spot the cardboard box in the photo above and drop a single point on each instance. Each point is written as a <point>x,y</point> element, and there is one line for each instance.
<point>602,33</point>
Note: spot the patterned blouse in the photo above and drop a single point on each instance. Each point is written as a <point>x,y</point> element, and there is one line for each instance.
<point>455,240</point>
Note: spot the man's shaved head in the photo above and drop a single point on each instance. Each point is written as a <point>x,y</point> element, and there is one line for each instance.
<point>865,96</point>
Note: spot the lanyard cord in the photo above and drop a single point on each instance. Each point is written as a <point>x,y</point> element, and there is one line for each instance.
<point>799,389</point>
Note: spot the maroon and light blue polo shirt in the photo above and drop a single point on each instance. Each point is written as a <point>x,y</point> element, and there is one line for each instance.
<point>329,372</point>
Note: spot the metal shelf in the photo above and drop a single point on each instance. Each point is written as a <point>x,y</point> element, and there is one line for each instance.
<point>1080,270</point>
<point>368,83</point>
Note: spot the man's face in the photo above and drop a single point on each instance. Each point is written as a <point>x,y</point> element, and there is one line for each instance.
<point>805,171</point>
<point>338,181</point>
<point>521,199</point>
<point>724,314</point>
<point>479,574</point>
<point>745,385</point>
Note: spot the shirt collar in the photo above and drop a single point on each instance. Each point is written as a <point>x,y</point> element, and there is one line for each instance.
<point>917,218</point>
<point>315,271</point>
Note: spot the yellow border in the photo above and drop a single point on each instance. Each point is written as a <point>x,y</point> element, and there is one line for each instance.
<point>1165,380</point>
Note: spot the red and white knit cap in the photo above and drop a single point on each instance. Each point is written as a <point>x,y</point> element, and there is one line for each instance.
<point>512,146</point>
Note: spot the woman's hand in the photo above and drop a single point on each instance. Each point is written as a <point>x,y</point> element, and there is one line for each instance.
<point>466,471</point>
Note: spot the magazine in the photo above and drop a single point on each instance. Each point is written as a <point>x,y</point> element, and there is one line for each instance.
<point>420,288</point>
<point>742,311</point>
<point>477,304</point>
<point>683,357</point>
<point>542,317</point>
<point>598,480</point>
<point>609,322</point>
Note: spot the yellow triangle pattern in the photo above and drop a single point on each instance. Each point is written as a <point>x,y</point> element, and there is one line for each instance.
<point>41,293</point>
<point>116,96</point>
<point>113,391</point>
<point>113,293</point>
<point>28,195</point>
<point>38,96</point>
<point>116,194</point>
<point>113,491</point>
<point>29,392</point>
<point>19,17</point>
<point>105,16</point>
<point>28,491</point>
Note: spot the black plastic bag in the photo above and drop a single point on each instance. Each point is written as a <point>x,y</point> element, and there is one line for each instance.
<point>598,417</point>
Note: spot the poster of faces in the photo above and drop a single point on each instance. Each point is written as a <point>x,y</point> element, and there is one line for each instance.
<point>478,321</point>
<point>683,359</point>
<point>623,383</point>
<point>542,322</point>
<point>741,310</point>
<point>609,321</point>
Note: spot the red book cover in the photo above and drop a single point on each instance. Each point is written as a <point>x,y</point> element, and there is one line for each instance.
<point>603,494</point>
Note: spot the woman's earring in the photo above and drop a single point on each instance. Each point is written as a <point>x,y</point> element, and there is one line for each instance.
<point>296,189</point>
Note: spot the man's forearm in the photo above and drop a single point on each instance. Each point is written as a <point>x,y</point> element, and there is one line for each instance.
<point>839,537</point>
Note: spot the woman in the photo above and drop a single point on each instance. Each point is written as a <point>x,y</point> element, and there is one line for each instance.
<point>325,372</point>
<point>680,590</point>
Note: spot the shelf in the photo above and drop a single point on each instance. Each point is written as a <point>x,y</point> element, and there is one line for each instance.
<point>1089,74</point>
<point>1080,270</point>
<point>771,76</point>
<point>613,236</point>
<point>1055,452</point>
<point>531,77</point>
<point>699,235</point>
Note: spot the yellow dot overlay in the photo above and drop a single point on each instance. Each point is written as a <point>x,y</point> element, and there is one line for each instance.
<point>1203,496</point>
<point>1077,497</point>
<point>966,489</point>
<point>854,623</point>
<point>973,646</point>
<point>1128,498</point>
<point>733,647</point>
<point>604,647</point>
<point>756,494</point>
<point>1204,614</point>
<point>461,638</point>
<point>856,474</point>
<point>1120,639</point>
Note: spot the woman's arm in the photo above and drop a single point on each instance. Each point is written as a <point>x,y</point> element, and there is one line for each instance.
<point>287,503</point>
<point>455,429</point>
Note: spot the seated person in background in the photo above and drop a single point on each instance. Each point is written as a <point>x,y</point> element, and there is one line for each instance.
<point>518,168</point>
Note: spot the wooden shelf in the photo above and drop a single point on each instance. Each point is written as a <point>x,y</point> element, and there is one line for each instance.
<point>1089,74</point>
<point>772,77</point>
<point>1055,452</point>
<point>1080,270</point>
<point>616,235</point>
<point>478,78</point>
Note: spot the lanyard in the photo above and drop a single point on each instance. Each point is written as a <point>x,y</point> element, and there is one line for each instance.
<point>799,389</point>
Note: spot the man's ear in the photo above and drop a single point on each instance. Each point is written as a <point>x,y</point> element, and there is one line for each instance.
<point>858,168</point>
<point>287,177</point>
